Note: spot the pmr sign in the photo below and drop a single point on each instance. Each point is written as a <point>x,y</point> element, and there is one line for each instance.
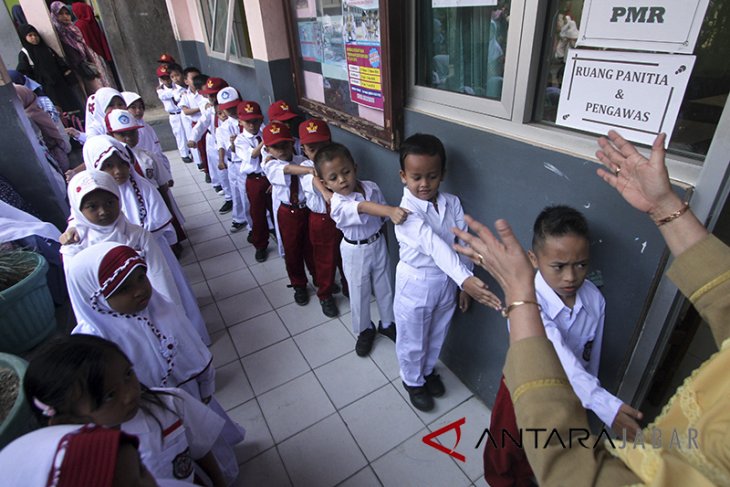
<point>637,94</point>
<point>642,25</point>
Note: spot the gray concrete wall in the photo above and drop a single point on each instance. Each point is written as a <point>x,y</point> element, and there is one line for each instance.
<point>9,42</point>
<point>23,164</point>
<point>138,31</point>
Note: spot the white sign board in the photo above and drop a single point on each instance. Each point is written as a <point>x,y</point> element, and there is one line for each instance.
<point>463,3</point>
<point>636,94</point>
<point>642,25</point>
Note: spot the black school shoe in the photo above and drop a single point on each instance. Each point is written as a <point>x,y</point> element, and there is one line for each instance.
<point>207,178</point>
<point>389,332</point>
<point>187,159</point>
<point>261,255</point>
<point>301,296</point>
<point>329,308</point>
<point>434,386</point>
<point>249,237</point>
<point>419,396</point>
<point>226,208</point>
<point>365,341</point>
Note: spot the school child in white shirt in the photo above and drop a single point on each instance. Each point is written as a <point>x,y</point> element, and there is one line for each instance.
<point>281,169</point>
<point>359,210</point>
<point>248,146</point>
<point>178,90</point>
<point>148,139</point>
<point>573,311</point>
<point>429,272</point>
<point>228,100</point>
<point>207,126</point>
<point>84,378</point>
<point>190,104</point>
<point>166,94</point>
<point>61,453</point>
<point>324,236</point>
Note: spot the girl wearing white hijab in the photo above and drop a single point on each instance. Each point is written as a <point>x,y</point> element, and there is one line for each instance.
<point>166,277</point>
<point>154,333</point>
<point>97,106</point>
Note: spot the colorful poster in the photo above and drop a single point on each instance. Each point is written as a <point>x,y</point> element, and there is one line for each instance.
<point>361,33</point>
<point>333,47</point>
<point>636,94</point>
<point>310,41</point>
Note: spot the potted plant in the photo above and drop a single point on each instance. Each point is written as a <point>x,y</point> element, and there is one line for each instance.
<point>27,314</point>
<point>16,417</point>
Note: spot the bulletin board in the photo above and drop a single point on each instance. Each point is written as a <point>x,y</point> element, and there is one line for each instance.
<point>348,66</point>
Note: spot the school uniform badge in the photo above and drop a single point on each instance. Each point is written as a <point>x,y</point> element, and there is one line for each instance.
<point>587,349</point>
<point>150,173</point>
<point>182,465</point>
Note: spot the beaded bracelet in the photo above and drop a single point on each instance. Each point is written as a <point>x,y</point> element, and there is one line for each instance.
<point>506,311</point>
<point>673,216</point>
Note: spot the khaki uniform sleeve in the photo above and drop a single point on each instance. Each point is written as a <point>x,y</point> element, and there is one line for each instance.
<point>702,273</point>
<point>543,400</point>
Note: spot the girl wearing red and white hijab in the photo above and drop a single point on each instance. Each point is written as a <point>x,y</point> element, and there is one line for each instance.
<point>112,298</point>
<point>98,189</point>
<point>73,455</point>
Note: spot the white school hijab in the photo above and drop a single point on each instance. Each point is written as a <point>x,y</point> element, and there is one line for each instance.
<point>160,340</point>
<point>96,107</point>
<point>121,231</point>
<point>141,202</point>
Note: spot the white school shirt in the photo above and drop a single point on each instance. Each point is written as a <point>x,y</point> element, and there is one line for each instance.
<point>274,170</point>
<point>205,123</point>
<point>577,336</point>
<point>245,144</point>
<point>354,225</point>
<point>315,202</point>
<point>172,437</point>
<point>192,100</point>
<point>425,238</point>
<point>167,97</point>
<point>153,169</point>
<point>223,137</point>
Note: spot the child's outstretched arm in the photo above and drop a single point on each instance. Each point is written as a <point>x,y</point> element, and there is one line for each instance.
<point>396,214</point>
<point>298,170</point>
<point>476,288</point>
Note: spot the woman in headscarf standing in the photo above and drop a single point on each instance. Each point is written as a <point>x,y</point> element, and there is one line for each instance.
<point>82,59</point>
<point>41,63</point>
<point>93,35</point>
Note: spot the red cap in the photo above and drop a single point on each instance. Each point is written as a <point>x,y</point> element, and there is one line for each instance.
<point>276,132</point>
<point>116,266</point>
<point>166,58</point>
<point>313,131</point>
<point>280,111</point>
<point>163,71</point>
<point>213,86</point>
<point>249,110</point>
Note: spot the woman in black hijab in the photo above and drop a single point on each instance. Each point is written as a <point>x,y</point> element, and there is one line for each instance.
<point>39,62</point>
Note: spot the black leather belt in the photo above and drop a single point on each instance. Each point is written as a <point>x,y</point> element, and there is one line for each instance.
<point>302,206</point>
<point>366,241</point>
<point>256,175</point>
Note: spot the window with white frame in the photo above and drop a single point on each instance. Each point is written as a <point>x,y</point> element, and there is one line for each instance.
<point>226,29</point>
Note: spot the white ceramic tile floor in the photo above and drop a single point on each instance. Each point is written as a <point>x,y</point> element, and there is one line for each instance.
<point>315,413</point>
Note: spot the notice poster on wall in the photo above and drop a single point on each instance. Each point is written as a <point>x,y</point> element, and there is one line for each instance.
<point>361,32</point>
<point>636,94</point>
<point>310,40</point>
<point>660,25</point>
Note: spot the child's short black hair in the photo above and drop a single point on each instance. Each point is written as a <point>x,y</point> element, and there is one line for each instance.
<point>330,152</point>
<point>67,369</point>
<point>422,144</point>
<point>174,67</point>
<point>558,221</point>
<point>190,69</point>
<point>199,81</point>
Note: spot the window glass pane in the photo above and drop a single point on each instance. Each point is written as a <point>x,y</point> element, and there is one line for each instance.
<point>207,6</point>
<point>219,28</point>
<point>239,38</point>
<point>707,89</point>
<point>462,49</point>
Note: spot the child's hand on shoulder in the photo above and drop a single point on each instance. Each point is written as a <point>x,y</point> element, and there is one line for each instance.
<point>398,215</point>
<point>476,288</point>
<point>72,132</point>
<point>464,301</point>
<point>269,159</point>
<point>70,236</point>
<point>191,144</point>
<point>221,165</point>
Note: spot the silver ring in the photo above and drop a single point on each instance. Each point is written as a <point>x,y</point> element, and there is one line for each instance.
<point>481,259</point>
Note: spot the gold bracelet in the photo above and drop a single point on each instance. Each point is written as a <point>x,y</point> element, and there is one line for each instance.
<point>506,311</point>
<point>673,216</point>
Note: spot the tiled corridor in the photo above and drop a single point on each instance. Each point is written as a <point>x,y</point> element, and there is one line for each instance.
<point>315,413</point>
